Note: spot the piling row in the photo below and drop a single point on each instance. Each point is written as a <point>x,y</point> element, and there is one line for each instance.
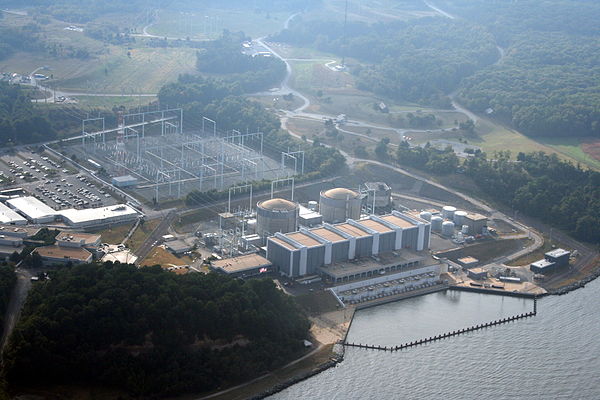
<point>448,334</point>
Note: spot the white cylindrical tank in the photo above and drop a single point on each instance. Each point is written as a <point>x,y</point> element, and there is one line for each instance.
<point>276,215</point>
<point>465,229</point>
<point>339,204</point>
<point>312,205</point>
<point>251,225</point>
<point>448,228</point>
<point>448,212</point>
<point>426,215</point>
<point>436,223</point>
<point>459,217</point>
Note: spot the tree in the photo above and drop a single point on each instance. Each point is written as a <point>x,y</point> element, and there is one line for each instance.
<point>381,150</point>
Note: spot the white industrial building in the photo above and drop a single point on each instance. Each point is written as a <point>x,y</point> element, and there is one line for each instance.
<point>10,217</point>
<point>93,217</point>
<point>309,251</point>
<point>33,209</point>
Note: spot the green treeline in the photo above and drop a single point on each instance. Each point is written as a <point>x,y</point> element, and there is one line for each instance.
<point>543,186</point>
<point>8,279</point>
<point>420,60</point>
<point>81,11</point>
<point>20,122</point>
<point>549,82</point>
<point>428,158</point>
<point>251,74</point>
<point>540,185</point>
<point>18,39</point>
<point>151,332</point>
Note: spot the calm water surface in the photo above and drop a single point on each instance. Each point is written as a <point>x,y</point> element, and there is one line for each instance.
<point>555,355</point>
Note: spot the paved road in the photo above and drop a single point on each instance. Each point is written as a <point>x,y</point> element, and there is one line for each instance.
<point>439,11</point>
<point>537,238</point>
<point>156,235</point>
<point>17,299</point>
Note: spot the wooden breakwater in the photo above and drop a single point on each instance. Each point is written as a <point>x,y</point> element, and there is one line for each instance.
<point>448,334</point>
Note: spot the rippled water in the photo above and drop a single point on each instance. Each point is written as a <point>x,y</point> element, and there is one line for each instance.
<point>555,355</point>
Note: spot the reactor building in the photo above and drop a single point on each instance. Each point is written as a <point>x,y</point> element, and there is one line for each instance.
<point>320,250</point>
<point>276,216</point>
<point>339,204</point>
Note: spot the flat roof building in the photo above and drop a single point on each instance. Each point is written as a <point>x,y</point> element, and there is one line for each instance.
<point>558,256</point>
<point>19,231</point>
<point>124,181</point>
<point>308,217</point>
<point>33,209</point>
<point>542,267</point>
<point>468,262</point>
<point>62,255</point>
<point>76,239</point>
<point>477,274</point>
<point>94,217</point>
<point>243,266</point>
<point>304,252</point>
<point>10,217</point>
<point>475,222</point>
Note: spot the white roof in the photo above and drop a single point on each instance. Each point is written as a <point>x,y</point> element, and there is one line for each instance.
<point>8,216</point>
<point>125,178</point>
<point>307,213</point>
<point>31,207</point>
<point>94,214</point>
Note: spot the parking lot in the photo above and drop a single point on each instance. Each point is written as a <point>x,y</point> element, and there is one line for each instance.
<point>51,181</point>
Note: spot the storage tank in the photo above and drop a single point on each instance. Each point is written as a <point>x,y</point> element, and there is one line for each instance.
<point>465,229</point>
<point>251,225</point>
<point>276,215</point>
<point>426,215</point>
<point>448,228</point>
<point>448,212</point>
<point>339,204</point>
<point>436,223</point>
<point>459,217</point>
<point>312,205</point>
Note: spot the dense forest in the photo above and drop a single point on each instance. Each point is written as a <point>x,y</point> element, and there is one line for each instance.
<point>543,186</point>
<point>8,279</point>
<point>549,82</point>
<point>151,332</point>
<point>18,39</point>
<point>20,122</point>
<point>540,185</point>
<point>82,11</point>
<point>419,60</point>
<point>251,74</point>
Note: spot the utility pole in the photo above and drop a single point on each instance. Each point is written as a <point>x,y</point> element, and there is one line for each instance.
<point>344,35</point>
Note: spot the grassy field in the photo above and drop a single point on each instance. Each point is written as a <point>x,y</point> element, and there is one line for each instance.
<point>145,71</point>
<point>109,69</point>
<point>572,147</point>
<point>209,23</point>
<point>162,257</point>
<point>116,234</point>
<point>108,102</point>
<point>141,233</point>
<point>373,11</point>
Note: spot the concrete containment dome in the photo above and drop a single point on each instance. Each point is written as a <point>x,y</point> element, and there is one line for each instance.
<point>340,194</point>
<point>339,204</point>
<point>278,204</point>
<point>276,215</point>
